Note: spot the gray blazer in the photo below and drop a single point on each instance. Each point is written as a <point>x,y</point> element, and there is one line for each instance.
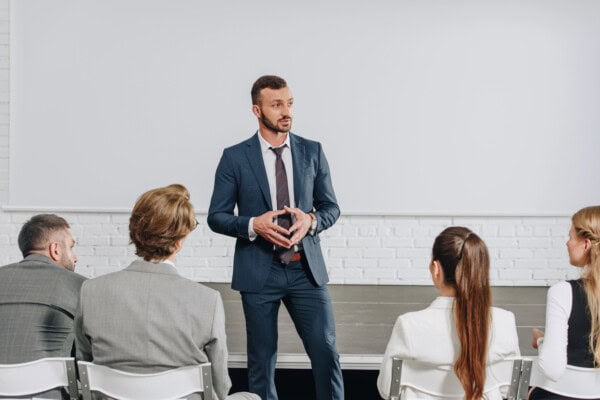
<point>147,318</point>
<point>38,300</point>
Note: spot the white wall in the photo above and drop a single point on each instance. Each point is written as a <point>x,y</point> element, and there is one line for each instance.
<point>359,249</point>
<point>433,96</point>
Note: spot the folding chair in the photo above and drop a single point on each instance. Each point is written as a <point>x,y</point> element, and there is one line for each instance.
<point>30,378</point>
<point>582,383</point>
<point>167,385</point>
<point>442,381</point>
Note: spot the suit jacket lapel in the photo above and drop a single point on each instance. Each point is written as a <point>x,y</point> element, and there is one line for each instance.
<point>255,158</point>
<point>298,155</point>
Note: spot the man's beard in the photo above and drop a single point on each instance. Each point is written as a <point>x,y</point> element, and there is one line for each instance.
<point>274,127</point>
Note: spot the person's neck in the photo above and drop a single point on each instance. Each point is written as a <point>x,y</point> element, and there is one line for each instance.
<point>447,291</point>
<point>272,137</point>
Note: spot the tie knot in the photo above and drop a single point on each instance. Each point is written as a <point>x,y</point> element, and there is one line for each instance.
<point>278,150</point>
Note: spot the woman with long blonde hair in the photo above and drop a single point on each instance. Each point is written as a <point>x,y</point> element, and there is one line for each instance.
<point>573,307</point>
<point>460,328</point>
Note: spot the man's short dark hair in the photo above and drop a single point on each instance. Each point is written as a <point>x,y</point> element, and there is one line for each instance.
<point>266,81</point>
<point>36,232</point>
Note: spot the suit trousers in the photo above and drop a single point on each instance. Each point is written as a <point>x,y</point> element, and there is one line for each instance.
<point>311,311</point>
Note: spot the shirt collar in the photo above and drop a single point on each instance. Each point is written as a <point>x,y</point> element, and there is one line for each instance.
<point>442,302</point>
<point>161,262</point>
<point>265,146</point>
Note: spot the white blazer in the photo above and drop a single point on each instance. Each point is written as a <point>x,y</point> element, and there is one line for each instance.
<point>430,336</point>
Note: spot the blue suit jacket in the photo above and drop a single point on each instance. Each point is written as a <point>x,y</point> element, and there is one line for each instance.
<point>241,180</point>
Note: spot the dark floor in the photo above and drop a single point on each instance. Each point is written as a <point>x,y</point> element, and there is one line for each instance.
<point>297,384</point>
<point>365,315</point>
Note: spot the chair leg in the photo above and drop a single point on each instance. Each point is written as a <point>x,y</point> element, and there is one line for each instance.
<point>396,374</point>
<point>85,383</point>
<point>72,376</point>
<point>206,382</point>
<point>524,381</point>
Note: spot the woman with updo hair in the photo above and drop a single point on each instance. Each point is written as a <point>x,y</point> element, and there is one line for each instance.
<point>573,307</point>
<point>147,318</point>
<point>460,329</point>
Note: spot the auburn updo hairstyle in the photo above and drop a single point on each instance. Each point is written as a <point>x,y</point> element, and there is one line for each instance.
<point>160,218</point>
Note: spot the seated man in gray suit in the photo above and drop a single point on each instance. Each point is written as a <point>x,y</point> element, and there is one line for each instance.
<point>38,295</point>
<point>148,318</point>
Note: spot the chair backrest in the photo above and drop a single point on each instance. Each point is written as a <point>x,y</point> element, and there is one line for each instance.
<point>583,383</point>
<point>171,384</point>
<point>38,376</point>
<point>442,381</point>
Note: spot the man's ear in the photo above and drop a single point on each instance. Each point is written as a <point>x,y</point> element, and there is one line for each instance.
<point>54,251</point>
<point>256,110</point>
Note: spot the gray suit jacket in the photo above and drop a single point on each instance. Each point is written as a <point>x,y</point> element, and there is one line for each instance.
<point>147,318</point>
<point>38,300</point>
<point>241,181</point>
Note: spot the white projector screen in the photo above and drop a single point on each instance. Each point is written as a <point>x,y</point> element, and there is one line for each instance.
<point>423,107</point>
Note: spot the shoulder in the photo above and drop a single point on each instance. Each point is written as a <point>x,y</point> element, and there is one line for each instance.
<point>197,288</point>
<point>46,269</point>
<point>191,291</point>
<point>295,139</point>
<point>8,267</point>
<point>425,321</point>
<point>241,146</point>
<point>560,290</point>
<point>74,278</point>
<point>501,316</point>
<point>100,281</point>
<point>504,340</point>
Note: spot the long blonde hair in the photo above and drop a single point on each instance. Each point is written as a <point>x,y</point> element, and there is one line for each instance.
<point>586,223</point>
<point>466,264</point>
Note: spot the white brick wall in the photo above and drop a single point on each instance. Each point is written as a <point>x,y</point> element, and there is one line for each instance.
<point>359,249</point>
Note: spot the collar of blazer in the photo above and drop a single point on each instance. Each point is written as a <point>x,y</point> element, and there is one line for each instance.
<point>40,258</point>
<point>141,265</point>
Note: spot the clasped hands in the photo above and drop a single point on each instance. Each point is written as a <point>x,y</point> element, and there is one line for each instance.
<point>265,226</point>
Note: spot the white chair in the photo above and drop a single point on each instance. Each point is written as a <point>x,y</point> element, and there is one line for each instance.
<point>443,382</point>
<point>167,385</point>
<point>582,383</point>
<point>38,376</point>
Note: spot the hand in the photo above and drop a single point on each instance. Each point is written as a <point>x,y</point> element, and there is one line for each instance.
<point>301,226</point>
<point>536,333</point>
<point>265,227</point>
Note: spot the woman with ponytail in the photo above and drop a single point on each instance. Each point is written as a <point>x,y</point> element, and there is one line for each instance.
<point>573,307</point>
<point>460,328</point>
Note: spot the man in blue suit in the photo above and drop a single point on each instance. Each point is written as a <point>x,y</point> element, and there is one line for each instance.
<point>282,188</point>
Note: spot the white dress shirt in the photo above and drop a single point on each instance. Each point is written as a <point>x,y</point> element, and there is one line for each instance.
<point>269,158</point>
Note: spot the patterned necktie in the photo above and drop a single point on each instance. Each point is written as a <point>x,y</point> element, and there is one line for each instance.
<point>283,199</point>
